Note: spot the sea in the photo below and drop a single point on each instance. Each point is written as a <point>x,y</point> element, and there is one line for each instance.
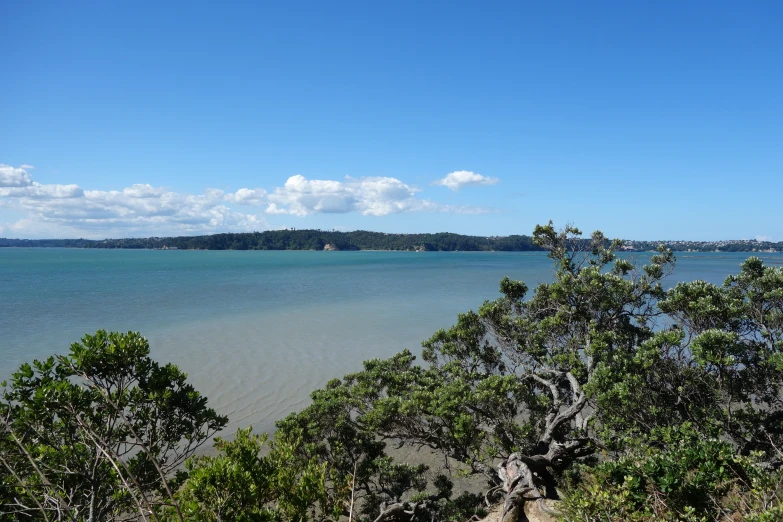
<point>258,331</point>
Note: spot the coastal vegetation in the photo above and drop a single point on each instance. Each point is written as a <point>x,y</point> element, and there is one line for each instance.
<point>364,240</point>
<point>300,240</point>
<point>598,396</point>
<point>97,433</point>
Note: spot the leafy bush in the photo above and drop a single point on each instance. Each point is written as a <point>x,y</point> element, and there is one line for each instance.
<point>692,479</point>
<point>97,433</point>
<point>242,485</point>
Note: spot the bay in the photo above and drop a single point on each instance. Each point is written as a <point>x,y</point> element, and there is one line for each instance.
<point>257,331</point>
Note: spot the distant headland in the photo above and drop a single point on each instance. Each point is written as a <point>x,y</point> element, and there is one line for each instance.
<point>293,239</point>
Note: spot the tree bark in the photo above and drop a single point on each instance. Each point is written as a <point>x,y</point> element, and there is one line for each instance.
<point>523,478</point>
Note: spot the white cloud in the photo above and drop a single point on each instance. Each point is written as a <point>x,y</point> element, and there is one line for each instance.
<point>14,177</point>
<point>245,196</point>
<point>371,196</point>
<point>462,178</point>
<point>764,238</point>
<point>38,191</point>
<point>143,191</point>
<point>141,209</point>
<point>54,210</point>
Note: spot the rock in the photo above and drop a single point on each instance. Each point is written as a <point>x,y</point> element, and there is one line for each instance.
<point>329,246</point>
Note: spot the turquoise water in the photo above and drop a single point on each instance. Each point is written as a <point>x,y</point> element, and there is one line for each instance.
<point>258,331</point>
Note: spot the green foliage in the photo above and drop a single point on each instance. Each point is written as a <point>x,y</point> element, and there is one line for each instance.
<point>692,479</point>
<point>242,485</point>
<point>348,422</point>
<point>717,365</point>
<point>701,399</point>
<point>97,433</point>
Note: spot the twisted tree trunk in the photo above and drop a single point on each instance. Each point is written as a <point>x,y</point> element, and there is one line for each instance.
<point>524,501</point>
<point>528,479</point>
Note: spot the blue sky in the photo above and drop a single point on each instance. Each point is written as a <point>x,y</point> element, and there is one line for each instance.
<point>648,120</point>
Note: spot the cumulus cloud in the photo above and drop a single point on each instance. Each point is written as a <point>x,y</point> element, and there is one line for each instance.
<point>245,196</point>
<point>16,182</point>
<point>38,191</point>
<point>142,209</point>
<point>143,191</point>
<point>14,177</point>
<point>371,196</point>
<point>462,178</point>
<point>54,210</point>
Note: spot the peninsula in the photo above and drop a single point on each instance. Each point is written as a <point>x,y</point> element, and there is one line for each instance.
<point>294,239</point>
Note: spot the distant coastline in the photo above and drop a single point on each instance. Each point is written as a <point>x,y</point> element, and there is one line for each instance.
<point>363,240</point>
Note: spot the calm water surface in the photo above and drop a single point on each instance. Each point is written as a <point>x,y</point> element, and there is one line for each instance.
<point>258,331</point>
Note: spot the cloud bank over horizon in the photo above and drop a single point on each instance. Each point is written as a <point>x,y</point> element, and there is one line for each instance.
<point>56,210</point>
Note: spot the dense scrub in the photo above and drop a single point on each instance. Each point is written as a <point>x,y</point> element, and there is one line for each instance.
<point>602,391</point>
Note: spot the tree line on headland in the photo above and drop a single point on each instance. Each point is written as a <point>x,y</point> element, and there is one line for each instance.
<point>365,240</point>
<point>598,396</point>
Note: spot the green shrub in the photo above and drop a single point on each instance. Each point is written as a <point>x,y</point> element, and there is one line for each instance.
<point>692,480</point>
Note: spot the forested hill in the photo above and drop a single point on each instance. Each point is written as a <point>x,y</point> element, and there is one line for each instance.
<point>298,240</point>
<point>364,240</point>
